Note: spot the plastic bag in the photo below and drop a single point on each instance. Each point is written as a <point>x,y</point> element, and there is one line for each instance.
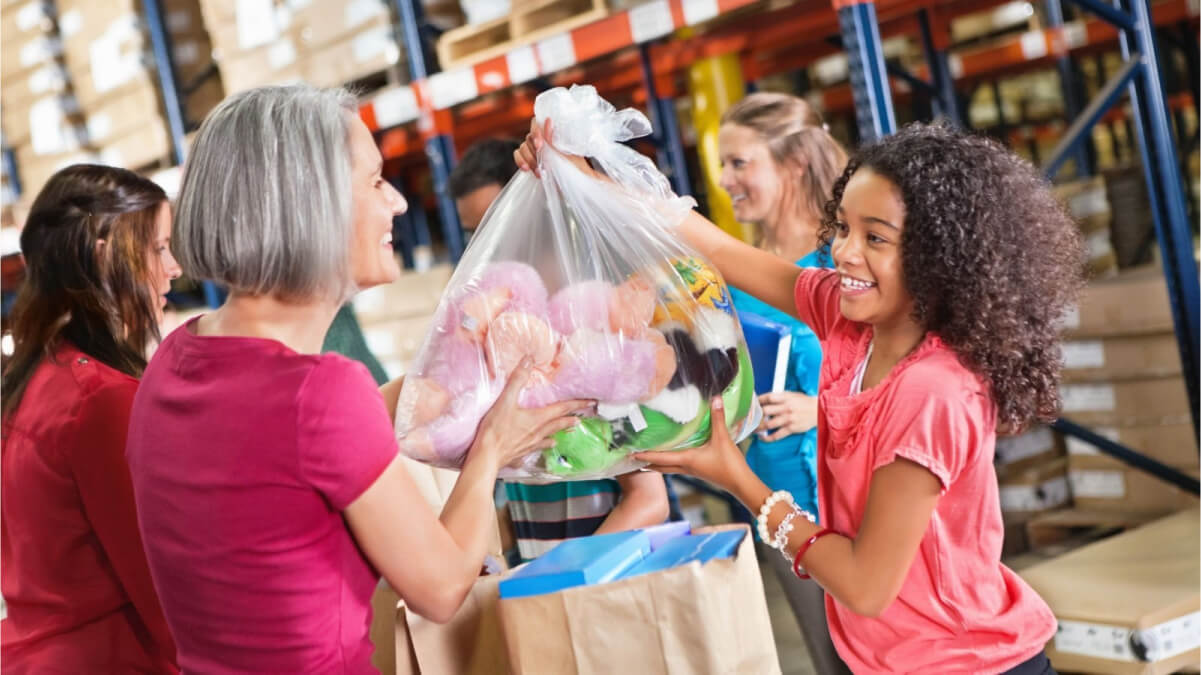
<point>585,277</point>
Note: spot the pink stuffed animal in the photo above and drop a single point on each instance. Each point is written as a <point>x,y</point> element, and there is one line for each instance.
<point>582,305</point>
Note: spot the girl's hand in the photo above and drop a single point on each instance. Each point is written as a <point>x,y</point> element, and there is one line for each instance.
<point>509,432</point>
<point>788,413</point>
<point>526,156</point>
<point>718,461</point>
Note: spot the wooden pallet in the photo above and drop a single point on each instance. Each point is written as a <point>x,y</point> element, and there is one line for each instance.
<point>526,23</point>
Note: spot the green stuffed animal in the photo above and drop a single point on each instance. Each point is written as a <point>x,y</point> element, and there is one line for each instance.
<point>583,449</point>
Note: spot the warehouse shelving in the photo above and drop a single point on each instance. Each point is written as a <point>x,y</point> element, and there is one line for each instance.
<point>445,104</point>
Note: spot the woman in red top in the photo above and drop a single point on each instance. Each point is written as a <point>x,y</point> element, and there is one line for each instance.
<point>954,264</point>
<point>98,267</point>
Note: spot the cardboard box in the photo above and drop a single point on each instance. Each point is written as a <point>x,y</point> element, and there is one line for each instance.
<point>1120,357</point>
<point>1086,200</point>
<point>20,91</point>
<point>30,18</point>
<point>362,54</point>
<point>1036,489</point>
<point>1135,302</point>
<point>115,59</point>
<point>35,170</point>
<point>85,23</point>
<point>1126,403</point>
<point>1127,605</point>
<point>139,149</point>
<point>1102,484</point>
<point>42,122</point>
<point>1035,447</point>
<point>276,63</point>
<point>251,24</point>
<point>22,55</point>
<point>1174,444</point>
<point>414,294</point>
<point>324,22</point>
<point>137,107</point>
<point>203,100</point>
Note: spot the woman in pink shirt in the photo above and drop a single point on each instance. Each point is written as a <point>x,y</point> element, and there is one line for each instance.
<point>953,264</point>
<point>269,490</point>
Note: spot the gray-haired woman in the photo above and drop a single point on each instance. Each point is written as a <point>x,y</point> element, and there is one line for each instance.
<point>268,489</point>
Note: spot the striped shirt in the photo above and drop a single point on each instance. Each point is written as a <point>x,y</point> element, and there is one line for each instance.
<point>544,515</point>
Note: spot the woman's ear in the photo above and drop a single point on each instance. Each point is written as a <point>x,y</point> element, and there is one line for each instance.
<point>100,246</point>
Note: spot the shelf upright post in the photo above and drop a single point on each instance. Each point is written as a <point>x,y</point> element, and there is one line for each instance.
<point>439,146</point>
<point>945,100</point>
<point>1082,155</point>
<point>668,143</point>
<point>869,78</point>
<point>160,43</point>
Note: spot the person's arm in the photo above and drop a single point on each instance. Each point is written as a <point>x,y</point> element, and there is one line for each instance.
<point>432,562</point>
<point>391,393</point>
<point>643,503</point>
<point>106,491</point>
<point>864,573</point>
<point>759,273</point>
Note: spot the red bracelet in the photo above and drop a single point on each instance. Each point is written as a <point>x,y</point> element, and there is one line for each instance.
<point>800,553</point>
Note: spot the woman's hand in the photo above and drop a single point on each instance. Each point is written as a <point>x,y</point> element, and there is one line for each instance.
<point>719,461</point>
<point>526,156</point>
<point>788,413</point>
<point>509,432</point>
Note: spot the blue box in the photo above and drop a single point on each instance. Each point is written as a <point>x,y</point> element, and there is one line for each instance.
<point>769,344</point>
<point>683,550</point>
<point>660,534</point>
<point>578,562</point>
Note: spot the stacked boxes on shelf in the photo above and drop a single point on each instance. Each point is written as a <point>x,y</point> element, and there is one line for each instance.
<point>324,42</point>
<point>1122,378</point>
<point>1086,199</point>
<point>79,83</point>
<point>41,116</point>
<point>108,56</point>
<point>1032,477</point>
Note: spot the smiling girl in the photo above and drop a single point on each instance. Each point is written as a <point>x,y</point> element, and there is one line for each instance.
<point>953,263</point>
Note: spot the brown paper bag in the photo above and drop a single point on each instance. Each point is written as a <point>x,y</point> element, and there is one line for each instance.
<point>469,644</point>
<point>709,619</point>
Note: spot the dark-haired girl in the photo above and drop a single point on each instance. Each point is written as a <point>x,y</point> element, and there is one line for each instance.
<point>953,263</point>
<point>76,582</point>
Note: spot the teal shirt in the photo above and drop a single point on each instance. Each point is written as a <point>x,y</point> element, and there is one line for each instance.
<point>790,463</point>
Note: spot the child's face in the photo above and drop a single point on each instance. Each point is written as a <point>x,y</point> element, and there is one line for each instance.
<point>867,252</point>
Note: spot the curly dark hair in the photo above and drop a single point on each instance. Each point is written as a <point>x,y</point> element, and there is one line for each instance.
<point>990,257</point>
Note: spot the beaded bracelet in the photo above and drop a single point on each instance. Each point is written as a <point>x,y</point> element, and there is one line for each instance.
<point>800,553</point>
<point>782,530</point>
<point>785,528</point>
<point>764,510</point>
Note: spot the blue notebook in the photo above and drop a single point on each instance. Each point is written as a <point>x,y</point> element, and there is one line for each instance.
<point>683,550</point>
<point>770,345</point>
<point>578,562</point>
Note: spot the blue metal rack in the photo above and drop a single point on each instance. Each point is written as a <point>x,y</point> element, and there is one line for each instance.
<point>1140,78</point>
<point>869,81</point>
<point>439,149</point>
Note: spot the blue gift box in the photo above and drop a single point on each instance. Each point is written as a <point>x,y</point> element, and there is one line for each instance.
<point>683,550</point>
<point>769,345</point>
<point>578,562</point>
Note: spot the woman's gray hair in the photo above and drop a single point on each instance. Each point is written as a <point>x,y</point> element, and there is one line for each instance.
<point>265,207</point>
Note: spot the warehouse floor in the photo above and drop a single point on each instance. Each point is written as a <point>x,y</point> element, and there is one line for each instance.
<point>794,656</point>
